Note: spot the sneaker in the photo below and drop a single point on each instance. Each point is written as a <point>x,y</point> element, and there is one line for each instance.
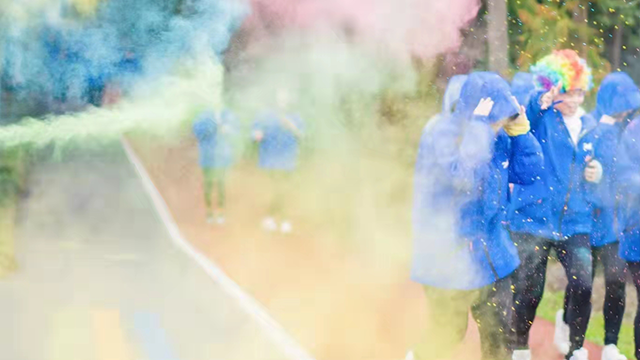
<point>561,335</point>
<point>580,354</point>
<point>286,227</point>
<point>220,220</point>
<point>210,219</point>
<point>611,352</point>
<point>410,356</point>
<point>521,355</point>
<point>270,224</point>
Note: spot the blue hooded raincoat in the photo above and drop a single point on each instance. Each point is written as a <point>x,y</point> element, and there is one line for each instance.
<point>628,167</point>
<point>618,94</point>
<point>462,180</point>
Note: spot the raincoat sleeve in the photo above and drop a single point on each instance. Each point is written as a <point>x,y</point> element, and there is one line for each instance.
<point>606,149</point>
<point>629,161</point>
<point>526,160</point>
<point>455,151</point>
<point>534,110</point>
<point>259,124</point>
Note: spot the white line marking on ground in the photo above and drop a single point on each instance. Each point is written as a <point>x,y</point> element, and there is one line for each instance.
<point>274,330</point>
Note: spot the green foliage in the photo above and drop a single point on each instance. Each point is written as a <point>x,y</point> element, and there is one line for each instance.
<point>13,167</point>
<point>607,16</point>
<point>536,27</point>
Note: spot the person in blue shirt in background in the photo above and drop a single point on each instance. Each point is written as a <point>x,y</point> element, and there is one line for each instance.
<point>618,99</point>
<point>628,167</point>
<point>463,255</point>
<point>214,131</point>
<point>278,134</point>
<point>557,211</point>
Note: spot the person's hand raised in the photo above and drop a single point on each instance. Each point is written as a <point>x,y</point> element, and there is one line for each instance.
<point>546,101</point>
<point>484,107</point>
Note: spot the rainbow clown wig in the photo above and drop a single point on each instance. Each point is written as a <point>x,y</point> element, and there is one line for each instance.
<point>565,66</point>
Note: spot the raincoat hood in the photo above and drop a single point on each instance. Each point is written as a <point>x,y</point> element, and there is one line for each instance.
<point>522,87</point>
<point>618,93</point>
<point>452,94</point>
<point>481,85</point>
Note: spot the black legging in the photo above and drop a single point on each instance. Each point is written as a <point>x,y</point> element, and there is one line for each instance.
<point>615,273</point>
<point>634,269</point>
<point>574,254</point>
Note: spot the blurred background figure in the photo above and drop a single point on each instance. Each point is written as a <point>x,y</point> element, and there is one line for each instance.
<point>214,131</point>
<point>279,133</point>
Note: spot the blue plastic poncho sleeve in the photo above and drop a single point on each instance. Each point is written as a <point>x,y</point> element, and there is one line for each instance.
<point>457,151</point>
<point>527,160</point>
<point>534,109</point>
<point>629,160</point>
<point>606,151</point>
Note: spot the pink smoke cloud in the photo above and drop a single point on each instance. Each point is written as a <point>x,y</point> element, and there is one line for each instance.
<point>420,28</point>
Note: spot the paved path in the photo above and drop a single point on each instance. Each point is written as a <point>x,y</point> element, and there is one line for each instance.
<point>100,279</point>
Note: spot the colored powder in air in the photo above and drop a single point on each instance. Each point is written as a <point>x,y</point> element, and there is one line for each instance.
<point>420,28</point>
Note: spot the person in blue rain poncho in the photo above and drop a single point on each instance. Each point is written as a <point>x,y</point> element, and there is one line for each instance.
<point>278,134</point>
<point>215,131</point>
<point>557,211</point>
<point>618,100</point>
<point>628,173</point>
<point>463,255</point>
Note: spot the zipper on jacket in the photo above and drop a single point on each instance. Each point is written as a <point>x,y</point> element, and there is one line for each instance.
<point>565,207</point>
<point>568,196</point>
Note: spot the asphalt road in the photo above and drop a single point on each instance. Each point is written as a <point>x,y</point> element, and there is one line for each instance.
<point>100,279</point>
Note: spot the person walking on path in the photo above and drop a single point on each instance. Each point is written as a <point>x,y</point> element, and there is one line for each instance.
<point>463,255</point>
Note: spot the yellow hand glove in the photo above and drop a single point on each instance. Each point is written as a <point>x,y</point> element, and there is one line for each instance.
<point>519,126</point>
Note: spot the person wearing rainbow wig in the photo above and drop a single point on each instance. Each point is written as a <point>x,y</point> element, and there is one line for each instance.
<point>556,212</point>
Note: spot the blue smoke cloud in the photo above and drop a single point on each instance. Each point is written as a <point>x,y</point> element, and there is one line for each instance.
<point>61,63</point>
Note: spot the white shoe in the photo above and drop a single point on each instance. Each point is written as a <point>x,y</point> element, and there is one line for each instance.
<point>210,219</point>
<point>521,355</point>
<point>220,220</point>
<point>410,356</point>
<point>270,224</point>
<point>286,227</point>
<point>561,335</point>
<point>611,352</point>
<point>580,354</point>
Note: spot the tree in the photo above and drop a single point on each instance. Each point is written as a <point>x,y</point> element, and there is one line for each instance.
<point>536,27</point>
<point>615,21</point>
<point>498,39</point>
